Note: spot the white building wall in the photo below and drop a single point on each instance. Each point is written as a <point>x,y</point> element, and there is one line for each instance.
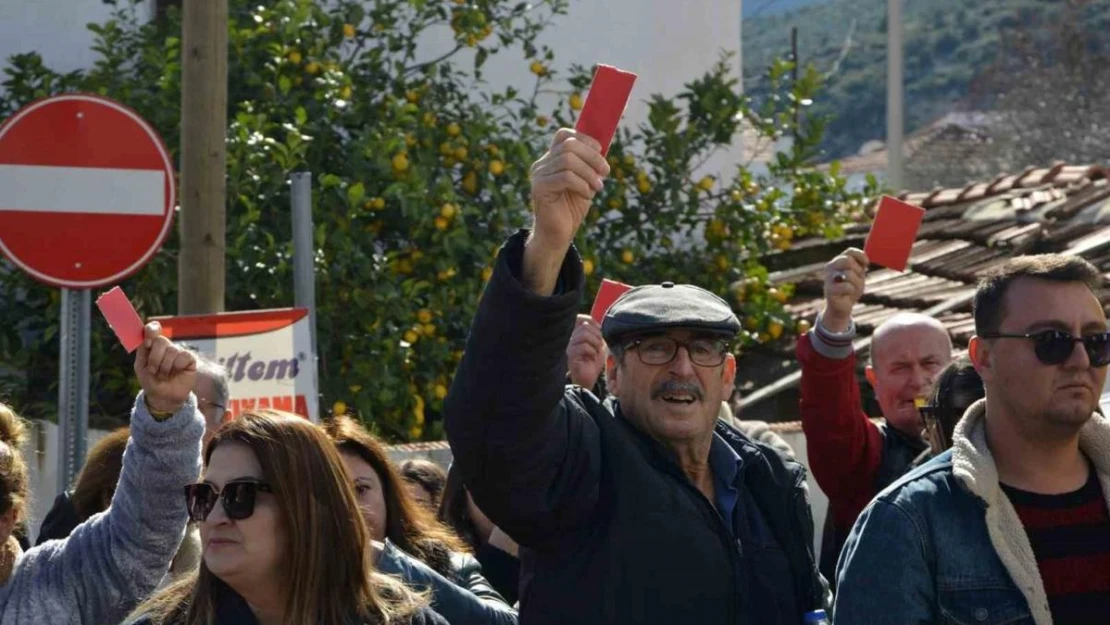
<point>56,29</point>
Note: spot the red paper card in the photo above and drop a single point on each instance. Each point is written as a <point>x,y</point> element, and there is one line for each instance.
<point>892,233</point>
<point>607,295</point>
<point>121,316</point>
<point>605,104</point>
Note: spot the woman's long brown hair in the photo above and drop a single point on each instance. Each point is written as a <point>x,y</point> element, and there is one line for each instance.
<point>327,576</point>
<point>95,485</point>
<point>408,525</point>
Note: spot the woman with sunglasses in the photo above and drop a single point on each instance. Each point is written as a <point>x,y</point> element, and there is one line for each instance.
<point>410,542</point>
<point>282,539</point>
<point>111,561</point>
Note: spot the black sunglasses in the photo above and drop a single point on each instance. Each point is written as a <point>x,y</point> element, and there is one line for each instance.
<point>238,499</point>
<point>1054,347</point>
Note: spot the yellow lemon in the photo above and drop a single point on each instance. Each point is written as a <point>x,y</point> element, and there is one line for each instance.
<point>410,140</point>
<point>542,121</point>
<point>440,391</point>
<point>538,68</point>
<point>429,329</point>
<point>487,273</point>
<point>777,295</point>
<point>643,185</point>
<point>470,182</point>
<point>294,57</point>
<point>345,92</point>
<point>803,326</point>
<point>775,328</point>
<point>401,162</point>
<point>441,223</point>
<point>496,168</point>
<point>576,101</point>
<point>348,30</point>
<point>339,408</point>
<point>312,68</point>
<point>722,262</point>
<point>751,323</point>
<point>706,183</point>
<point>412,95</point>
<point>461,153</point>
<point>627,257</point>
<point>453,130</point>
<point>379,203</point>
<point>411,337</point>
<point>448,210</point>
<point>588,267</point>
<point>424,315</point>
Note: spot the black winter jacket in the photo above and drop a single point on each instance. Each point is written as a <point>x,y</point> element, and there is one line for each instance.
<point>612,531</point>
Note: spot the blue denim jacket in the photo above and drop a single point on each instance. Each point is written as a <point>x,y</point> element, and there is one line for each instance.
<point>944,545</point>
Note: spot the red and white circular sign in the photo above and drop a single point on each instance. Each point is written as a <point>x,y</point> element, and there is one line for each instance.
<point>86,191</point>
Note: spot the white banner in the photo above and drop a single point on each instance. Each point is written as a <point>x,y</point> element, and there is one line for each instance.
<point>267,353</point>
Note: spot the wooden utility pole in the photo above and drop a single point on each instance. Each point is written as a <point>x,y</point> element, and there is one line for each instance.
<point>895,169</point>
<point>201,270</point>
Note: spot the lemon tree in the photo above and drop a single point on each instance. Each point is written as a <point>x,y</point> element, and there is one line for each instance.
<point>661,219</point>
<point>420,171</point>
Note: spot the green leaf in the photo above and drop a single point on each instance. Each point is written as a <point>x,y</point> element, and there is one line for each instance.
<point>284,84</point>
<point>355,193</point>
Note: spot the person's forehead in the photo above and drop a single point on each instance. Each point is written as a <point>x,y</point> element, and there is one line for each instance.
<point>1031,302</point>
<point>204,387</point>
<point>912,343</point>
<point>359,468</point>
<point>231,461</point>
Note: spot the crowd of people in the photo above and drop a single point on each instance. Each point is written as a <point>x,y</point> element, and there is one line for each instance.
<point>600,473</point>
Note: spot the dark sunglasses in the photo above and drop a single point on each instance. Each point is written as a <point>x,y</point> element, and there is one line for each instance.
<point>1054,347</point>
<point>238,499</point>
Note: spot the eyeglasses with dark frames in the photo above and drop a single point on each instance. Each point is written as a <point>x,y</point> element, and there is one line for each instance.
<point>661,350</point>
<point>238,498</point>
<point>1054,347</point>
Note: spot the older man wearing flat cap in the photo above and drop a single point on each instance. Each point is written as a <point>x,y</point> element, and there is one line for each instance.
<point>649,512</point>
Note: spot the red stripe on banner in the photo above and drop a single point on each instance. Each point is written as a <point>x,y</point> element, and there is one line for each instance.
<point>225,325</point>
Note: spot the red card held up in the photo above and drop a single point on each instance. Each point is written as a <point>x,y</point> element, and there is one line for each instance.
<point>607,295</point>
<point>121,316</point>
<point>605,104</point>
<point>892,233</point>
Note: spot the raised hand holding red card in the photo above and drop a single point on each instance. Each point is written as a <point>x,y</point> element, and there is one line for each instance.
<point>121,316</point>
<point>892,233</point>
<point>605,104</point>
<point>607,295</point>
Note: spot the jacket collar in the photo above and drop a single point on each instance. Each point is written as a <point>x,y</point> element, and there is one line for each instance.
<point>974,467</point>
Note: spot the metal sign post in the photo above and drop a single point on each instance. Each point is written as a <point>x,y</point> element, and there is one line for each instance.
<point>304,259</point>
<point>73,388</point>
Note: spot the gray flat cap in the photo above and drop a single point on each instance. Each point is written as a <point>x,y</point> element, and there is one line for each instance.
<point>668,305</point>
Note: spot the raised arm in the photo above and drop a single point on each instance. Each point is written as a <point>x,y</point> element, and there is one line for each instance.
<point>115,559</point>
<point>845,447</point>
<point>526,448</point>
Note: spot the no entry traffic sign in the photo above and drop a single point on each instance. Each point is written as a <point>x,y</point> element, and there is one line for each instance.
<point>86,191</point>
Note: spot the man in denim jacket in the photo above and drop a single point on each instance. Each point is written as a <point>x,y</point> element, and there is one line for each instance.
<point>1012,525</point>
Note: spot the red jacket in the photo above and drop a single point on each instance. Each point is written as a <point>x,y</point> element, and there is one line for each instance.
<point>845,447</point>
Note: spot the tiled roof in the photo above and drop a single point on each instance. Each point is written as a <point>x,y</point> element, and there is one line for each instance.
<point>965,232</point>
<point>952,136</point>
